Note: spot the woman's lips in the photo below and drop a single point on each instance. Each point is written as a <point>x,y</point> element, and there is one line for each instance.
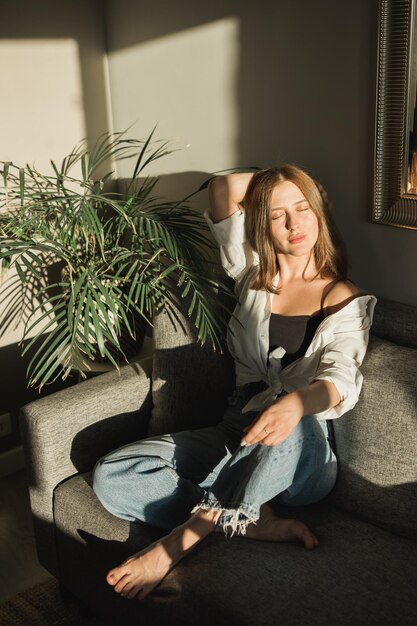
<point>297,239</point>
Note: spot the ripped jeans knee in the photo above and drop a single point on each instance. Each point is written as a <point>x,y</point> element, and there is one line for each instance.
<point>257,474</point>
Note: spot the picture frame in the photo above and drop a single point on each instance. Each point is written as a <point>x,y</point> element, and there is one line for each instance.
<point>393,204</point>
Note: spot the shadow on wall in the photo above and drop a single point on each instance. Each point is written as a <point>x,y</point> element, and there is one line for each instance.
<point>77,20</point>
<point>301,88</point>
<point>297,86</point>
<point>14,392</point>
<point>176,187</point>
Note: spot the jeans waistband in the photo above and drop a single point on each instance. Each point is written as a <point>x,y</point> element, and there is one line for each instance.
<point>247,391</point>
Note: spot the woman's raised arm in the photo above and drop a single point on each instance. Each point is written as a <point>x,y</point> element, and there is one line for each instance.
<point>225,193</point>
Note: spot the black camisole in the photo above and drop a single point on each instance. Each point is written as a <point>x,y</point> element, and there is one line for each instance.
<point>293,333</point>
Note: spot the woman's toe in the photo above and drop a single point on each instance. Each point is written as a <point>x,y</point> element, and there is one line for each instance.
<point>115,575</point>
<point>121,584</point>
<point>128,586</point>
<point>133,592</point>
<point>144,592</point>
<point>309,540</point>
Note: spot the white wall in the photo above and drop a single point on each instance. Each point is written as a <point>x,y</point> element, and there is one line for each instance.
<point>54,85</point>
<point>167,81</point>
<point>45,89</point>
<point>54,92</point>
<point>261,84</point>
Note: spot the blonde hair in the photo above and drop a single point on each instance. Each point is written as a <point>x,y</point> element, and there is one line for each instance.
<point>329,250</point>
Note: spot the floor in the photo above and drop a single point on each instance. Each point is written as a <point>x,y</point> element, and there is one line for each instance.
<point>20,568</point>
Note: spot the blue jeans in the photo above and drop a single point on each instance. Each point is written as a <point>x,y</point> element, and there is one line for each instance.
<point>161,480</point>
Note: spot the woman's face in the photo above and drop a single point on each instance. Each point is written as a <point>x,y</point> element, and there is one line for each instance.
<point>295,227</point>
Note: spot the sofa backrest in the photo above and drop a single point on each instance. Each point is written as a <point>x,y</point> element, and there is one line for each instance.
<point>190,382</point>
<point>376,442</point>
<point>395,322</point>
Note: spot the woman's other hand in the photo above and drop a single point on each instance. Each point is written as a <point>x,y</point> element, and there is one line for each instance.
<point>282,416</point>
<point>275,423</point>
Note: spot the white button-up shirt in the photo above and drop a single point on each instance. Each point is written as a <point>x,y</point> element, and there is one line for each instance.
<point>335,353</point>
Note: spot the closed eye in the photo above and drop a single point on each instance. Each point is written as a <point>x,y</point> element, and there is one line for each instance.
<point>277,217</point>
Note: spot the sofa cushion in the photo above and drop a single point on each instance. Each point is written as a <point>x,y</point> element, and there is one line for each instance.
<point>190,382</point>
<point>377,441</point>
<point>396,322</point>
<point>359,574</point>
<point>90,541</point>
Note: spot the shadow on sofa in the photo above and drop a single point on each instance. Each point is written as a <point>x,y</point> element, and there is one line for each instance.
<point>358,570</point>
<point>363,571</point>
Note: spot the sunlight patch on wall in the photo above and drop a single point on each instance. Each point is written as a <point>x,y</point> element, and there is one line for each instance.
<point>186,83</point>
<point>41,115</point>
<point>41,108</point>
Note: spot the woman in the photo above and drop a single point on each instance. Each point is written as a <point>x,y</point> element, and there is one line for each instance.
<point>298,337</point>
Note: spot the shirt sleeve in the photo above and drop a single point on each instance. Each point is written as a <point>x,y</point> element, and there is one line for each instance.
<point>342,358</point>
<point>236,254</point>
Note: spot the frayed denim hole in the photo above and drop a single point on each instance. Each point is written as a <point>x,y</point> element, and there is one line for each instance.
<point>242,507</point>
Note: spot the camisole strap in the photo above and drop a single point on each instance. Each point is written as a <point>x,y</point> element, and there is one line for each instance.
<point>326,293</point>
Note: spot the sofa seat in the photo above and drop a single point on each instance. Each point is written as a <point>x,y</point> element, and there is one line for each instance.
<point>366,574</point>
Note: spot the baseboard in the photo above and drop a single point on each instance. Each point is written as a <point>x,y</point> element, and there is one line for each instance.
<point>11,461</point>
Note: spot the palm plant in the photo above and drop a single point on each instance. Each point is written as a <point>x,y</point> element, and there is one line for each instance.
<point>120,256</point>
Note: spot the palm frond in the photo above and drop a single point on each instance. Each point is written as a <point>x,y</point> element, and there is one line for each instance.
<point>120,257</point>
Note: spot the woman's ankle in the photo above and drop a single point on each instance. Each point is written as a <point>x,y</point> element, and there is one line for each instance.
<point>184,538</point>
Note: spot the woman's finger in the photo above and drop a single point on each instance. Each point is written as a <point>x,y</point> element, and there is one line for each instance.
<point>268,440</point>
<point>256,433</point>
<point>274,439</point>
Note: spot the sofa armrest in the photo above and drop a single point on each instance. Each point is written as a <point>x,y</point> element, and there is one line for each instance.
<point>65,433</point>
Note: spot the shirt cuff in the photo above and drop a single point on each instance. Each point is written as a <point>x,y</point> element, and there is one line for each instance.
<point>230,231</point>
<point>349,398</point>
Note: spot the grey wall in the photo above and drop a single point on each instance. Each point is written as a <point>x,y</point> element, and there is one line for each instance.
<point>302,77</point>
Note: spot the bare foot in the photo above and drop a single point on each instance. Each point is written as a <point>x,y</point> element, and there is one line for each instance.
<point>141,572</point>
<point>270,527</point>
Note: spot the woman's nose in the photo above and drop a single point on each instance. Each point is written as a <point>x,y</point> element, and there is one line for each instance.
<point>292,222</point>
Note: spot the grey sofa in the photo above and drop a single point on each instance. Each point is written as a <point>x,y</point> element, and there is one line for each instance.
<point>365,568</point>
